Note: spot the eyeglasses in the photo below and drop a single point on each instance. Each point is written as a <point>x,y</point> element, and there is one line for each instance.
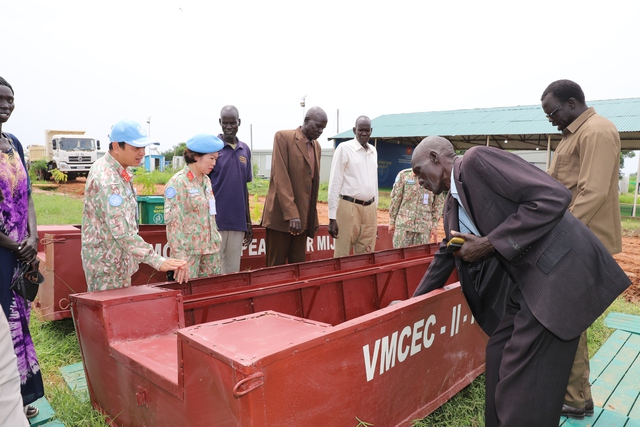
<point>551,114</point>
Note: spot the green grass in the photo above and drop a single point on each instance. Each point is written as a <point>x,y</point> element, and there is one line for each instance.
<point>56,209</point>
<point>626,198</point>
<point>465,409</point>
<point>57,346</point>
<point>258,186</point>
<point>631,226</point>
<point>156,176</point>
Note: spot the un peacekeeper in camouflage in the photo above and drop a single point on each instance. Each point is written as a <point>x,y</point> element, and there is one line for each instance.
<point>111,246</point>
<point>414,212</point>
<point>190,209</point>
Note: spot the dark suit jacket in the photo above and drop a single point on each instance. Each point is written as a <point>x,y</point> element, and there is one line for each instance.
<point>292,192</point>
<point>566,275</point>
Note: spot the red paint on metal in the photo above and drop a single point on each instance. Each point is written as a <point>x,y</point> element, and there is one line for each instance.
<point>59,252</point>
<point>316,345</point>
<point>143,396</point>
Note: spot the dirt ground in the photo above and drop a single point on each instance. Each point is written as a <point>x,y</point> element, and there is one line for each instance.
<point>628,259</point>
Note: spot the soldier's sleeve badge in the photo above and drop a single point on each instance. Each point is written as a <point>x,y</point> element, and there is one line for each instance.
<point>170,193</point>
<point>115,200</point>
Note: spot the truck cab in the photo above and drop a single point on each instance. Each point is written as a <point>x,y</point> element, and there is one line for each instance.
<point>72,153</point>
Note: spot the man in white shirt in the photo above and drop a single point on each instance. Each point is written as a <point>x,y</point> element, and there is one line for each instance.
<point>353,193</point>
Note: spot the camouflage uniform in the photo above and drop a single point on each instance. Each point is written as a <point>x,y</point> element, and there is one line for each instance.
<point>413,218</point>
<point>111,246</point>
<point>192,232</point>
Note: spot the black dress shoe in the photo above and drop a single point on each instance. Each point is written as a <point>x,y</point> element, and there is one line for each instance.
<point>571,412</point>
<point>588,407</point>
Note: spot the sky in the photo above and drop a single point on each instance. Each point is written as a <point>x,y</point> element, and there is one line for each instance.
<point>84,65</point>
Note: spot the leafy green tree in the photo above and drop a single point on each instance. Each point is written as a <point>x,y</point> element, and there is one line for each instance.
<point>626,155</point>
<point>176,150</point>
<point>180,149</point>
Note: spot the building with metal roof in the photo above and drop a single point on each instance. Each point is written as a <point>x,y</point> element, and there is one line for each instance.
<point>509,128</point>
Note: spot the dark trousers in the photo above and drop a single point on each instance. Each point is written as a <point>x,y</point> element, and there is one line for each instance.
<point>527,370</point>
<point>284,247</point>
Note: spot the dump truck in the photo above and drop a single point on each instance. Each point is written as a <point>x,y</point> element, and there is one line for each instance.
<point>70,151</point>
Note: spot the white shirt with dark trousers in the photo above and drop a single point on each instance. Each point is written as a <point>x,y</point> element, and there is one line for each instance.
<point>353,197</point>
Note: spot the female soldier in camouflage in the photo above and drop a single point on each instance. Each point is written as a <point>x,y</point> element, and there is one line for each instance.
<point>190,208</point>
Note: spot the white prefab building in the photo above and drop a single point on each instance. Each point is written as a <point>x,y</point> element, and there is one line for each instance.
<point>263,159</point>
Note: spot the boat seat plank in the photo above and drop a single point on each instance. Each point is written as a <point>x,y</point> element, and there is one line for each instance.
<point>623,322</point>
<point>155,358</point>
<point>626,393</point>
<point>607,353</point>
<point>608,380</point>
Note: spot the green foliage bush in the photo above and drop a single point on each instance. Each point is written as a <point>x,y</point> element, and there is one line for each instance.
<point>258,186</point>
<point>149,180</point>
<point>58,176</point>
<point>37,169</point>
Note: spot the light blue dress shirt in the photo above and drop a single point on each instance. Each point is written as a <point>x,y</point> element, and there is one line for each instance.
<point>466,224</point>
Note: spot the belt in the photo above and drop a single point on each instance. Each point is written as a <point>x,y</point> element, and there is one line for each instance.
<point>358,202</point>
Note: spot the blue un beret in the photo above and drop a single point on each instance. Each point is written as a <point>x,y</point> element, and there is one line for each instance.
<point>204,143</point>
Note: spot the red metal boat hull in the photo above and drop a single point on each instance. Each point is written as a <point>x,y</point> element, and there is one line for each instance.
<point>307,344</point>
<point>60,263</point>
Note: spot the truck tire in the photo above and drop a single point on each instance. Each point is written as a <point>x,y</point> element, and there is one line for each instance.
<point>47,174</point>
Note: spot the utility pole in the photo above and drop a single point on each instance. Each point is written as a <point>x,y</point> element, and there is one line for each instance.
<point>302,104</point>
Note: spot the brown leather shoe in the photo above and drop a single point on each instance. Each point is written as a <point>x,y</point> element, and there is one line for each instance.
<point>588,407</point>
<point>571,412</point>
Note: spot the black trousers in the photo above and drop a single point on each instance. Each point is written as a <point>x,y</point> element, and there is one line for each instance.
<point>282,248</point>
<point>527,370</point>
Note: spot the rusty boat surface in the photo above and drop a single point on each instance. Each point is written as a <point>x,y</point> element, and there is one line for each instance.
<point>309,344</point>
<point>61,265</point>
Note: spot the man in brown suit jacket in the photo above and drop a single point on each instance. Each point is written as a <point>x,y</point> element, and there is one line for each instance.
<point>564,276</point>
<point>587,162</point>
<point>290,209</point>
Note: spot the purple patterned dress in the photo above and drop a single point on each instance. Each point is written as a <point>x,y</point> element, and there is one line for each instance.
<point>14,205</point>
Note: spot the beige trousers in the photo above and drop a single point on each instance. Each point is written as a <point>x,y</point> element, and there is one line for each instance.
<point>357,228</point>
<point>579,388</point>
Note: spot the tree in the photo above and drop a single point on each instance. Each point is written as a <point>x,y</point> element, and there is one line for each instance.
<point>180,149</point>
<point>625,155</point>
<point>176,150</point>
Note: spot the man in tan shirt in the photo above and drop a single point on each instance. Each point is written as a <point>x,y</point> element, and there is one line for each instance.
<point>587,162</point>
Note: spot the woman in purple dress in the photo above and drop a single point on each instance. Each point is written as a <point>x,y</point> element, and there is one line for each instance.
<point>18,250</point>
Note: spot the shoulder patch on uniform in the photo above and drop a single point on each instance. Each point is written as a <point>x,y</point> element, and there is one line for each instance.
<point>115,200</point>
<point>170,193</point>
<point>397,177</point>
